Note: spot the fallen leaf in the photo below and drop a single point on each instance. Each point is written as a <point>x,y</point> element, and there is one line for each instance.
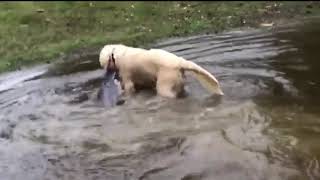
<point>40,10</point>
<point>267,24</point>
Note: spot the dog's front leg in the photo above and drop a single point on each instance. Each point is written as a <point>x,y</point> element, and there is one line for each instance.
<point>128,87</point>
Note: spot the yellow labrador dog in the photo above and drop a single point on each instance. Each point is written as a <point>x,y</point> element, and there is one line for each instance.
<point>154,68</point>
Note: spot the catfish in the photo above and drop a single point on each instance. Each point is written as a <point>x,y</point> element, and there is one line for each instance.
<point>111,89</point>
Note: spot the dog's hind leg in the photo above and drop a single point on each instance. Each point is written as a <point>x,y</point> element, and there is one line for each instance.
<point>165,90</point>
<point>169,83</point>
<point>128,86</point>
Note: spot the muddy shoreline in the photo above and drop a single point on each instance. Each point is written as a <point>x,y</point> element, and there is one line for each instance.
<point>86,59</point>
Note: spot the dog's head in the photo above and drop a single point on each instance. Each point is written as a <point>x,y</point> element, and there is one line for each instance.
<point>105,57</point>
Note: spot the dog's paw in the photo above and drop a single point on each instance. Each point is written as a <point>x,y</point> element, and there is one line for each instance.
<point>120,102</point>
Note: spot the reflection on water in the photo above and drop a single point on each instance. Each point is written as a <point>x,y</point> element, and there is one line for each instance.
<point>267,125</point>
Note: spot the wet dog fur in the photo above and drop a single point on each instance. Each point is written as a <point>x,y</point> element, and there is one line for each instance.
<point>154,69</point>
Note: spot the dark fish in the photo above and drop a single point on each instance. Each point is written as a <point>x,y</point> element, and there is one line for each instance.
<point>110,92</point>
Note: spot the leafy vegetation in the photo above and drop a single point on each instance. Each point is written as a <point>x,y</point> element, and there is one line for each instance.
<point>38,32</point>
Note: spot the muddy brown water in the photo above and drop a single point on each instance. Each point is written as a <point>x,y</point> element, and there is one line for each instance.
<point>266,127</point>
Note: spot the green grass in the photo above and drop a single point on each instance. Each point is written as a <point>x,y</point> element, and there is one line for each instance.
<point>29,36</point>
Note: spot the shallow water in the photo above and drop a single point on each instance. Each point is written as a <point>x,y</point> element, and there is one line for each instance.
<point>267,126</point>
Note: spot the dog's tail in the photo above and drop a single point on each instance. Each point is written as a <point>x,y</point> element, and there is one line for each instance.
<point>203,76</point>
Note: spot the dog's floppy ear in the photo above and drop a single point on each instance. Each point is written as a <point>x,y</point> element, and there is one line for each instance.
<point>112,57</point>
<point>111,61</point>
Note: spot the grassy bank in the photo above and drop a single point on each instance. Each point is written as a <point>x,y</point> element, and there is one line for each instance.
<point>38,32</point>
